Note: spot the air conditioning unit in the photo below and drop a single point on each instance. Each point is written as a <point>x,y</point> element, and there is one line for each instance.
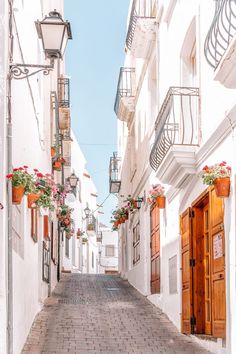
<point>64,118</point>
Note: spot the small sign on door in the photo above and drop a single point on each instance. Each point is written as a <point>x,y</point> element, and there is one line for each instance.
<point>217,246</point>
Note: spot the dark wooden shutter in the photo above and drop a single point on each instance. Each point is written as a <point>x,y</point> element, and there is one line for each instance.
<point>186,253</point>
<point>34,224</point>
<point>155,249</point>
<point>45,227</point>
<point>218,265</point>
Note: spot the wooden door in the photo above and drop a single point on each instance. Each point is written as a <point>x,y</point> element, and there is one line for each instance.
<point>217,266</point>
<point>186,253</point>
<point>155,249</point>
<point>207,270</point>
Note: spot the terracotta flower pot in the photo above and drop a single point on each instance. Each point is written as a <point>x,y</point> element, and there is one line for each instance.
<point>32,198</point>
<point>17,194</point>
<point>222,187</point>
<point>161,202</point>
<point>53,151</point>
<point>57,165</point>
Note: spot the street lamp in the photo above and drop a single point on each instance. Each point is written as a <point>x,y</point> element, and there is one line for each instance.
<point>73,180</point>
<point>87,212</point>
<point>54,33</point>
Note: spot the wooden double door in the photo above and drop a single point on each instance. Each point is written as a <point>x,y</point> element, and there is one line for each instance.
<point>203,267</point>
<point>155,249</point>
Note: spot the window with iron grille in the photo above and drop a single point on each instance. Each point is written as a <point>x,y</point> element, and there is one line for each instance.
<point>46,260</point>
<point>110,251</point>
<point>67,243</point>
<point>136,243</point>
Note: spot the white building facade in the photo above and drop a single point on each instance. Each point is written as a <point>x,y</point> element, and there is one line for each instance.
<point>30,268</point>
<point>176,114</point>
<point>80,252</point>
<point>108,251</point>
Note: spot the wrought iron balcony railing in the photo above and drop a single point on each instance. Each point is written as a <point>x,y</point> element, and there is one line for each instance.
<point>63,92</point>
<point>114,174</point>
<point>125,88</point>
<point>221,32</point>
<point>140,9</point>
<point>91,223</point>
<point>177,122</point>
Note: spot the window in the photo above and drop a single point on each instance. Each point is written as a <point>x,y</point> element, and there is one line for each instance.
<point>46,260</point>
<point>67,243</point>
<point>34,224</point>
<point>110,251</point>
<point>136,243</point>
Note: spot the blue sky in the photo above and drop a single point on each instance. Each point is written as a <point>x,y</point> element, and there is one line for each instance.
<point>93,59</point>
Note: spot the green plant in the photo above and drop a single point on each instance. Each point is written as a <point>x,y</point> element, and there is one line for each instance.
<point>45,201</point>
<point>219,170</point>
<point>21,177</point>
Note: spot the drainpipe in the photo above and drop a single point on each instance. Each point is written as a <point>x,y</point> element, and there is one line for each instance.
<point>9,269</point>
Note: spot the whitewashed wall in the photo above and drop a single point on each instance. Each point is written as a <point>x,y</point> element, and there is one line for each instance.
<point>174,39</point>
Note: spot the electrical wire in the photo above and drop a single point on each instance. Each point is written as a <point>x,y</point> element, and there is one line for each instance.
<point>100,205</point>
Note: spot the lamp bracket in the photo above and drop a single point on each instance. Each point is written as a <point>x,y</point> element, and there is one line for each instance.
<point>23,71</point>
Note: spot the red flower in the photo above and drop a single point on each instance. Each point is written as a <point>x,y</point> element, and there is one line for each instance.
<point>15,169</point>
<point>25,167</point>
<point>40,175</point>
<point>9,175</point>
<point>228,168</point>
<point>20,168</point>
<point>205,168</point>
<point>35,170</point>
<point>222,171</point>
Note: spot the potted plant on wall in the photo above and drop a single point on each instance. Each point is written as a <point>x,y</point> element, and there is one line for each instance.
<point>219,176</point>
<point>21,181</point>
<point>57,164</point>
<point>156,194</point>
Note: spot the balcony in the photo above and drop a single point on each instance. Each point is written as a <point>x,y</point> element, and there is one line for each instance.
<point>91,225</point>
<point>114,174</point>
<point>125,95</point>
<point>176,136</point>
<point>142,29</point>
<point>63,86</point>
<point>220,43</point>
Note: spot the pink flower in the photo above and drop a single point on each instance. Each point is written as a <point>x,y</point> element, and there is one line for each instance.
<point>228,168</point>
<point>35,170</point>
<point>40,175</point>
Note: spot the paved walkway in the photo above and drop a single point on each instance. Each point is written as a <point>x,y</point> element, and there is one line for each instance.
<point>103,315</point>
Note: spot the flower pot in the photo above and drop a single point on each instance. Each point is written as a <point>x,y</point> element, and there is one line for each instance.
<point>32,198</point>
<point>161,202</point>
<point>222,187</point>
<point>53,151</point>
<point>57,165</point>
<point>17,194</point>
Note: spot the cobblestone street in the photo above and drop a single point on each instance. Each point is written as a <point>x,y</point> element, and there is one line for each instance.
<point>103,314</point>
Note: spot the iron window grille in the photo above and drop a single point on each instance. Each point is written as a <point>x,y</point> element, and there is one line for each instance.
<point>136,243</point>
<point>46,260</point>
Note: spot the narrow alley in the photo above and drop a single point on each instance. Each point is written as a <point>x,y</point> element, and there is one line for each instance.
<point>103,314</point>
